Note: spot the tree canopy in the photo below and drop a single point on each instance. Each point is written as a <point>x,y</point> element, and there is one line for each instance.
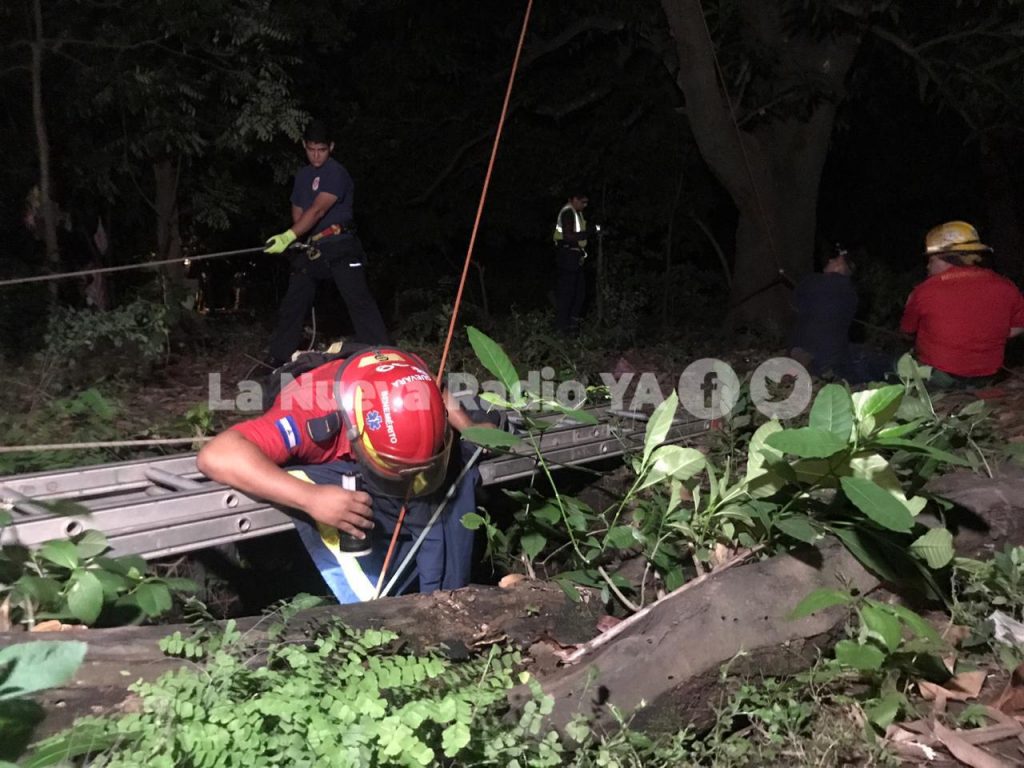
<point>722,141</point>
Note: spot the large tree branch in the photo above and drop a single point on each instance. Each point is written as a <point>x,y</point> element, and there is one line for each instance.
<point>904,47</point>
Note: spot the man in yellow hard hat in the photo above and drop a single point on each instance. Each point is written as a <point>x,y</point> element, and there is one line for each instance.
<point>962,315</point>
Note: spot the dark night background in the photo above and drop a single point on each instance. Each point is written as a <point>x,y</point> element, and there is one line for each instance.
<point>176,124</point>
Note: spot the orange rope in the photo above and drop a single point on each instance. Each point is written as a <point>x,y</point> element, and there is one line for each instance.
<point>483,195</point>
<point>391,551</point>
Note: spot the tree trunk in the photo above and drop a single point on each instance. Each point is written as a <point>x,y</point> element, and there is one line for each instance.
<point>168,225</point>
<point>771,170</point>
<point>43,143</point>
<point>463,622</point>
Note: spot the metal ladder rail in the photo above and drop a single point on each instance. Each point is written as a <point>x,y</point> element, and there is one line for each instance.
<point>141,477</point>
<point>201,513</point>
<point>99,480</point>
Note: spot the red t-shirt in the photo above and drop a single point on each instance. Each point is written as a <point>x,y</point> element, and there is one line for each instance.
<point>281,433</point>
<point>962,318</point>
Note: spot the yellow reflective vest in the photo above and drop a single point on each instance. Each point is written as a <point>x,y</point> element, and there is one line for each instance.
<point>581,224</point>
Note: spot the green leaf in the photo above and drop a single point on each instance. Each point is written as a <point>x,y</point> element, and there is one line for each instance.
<point>83,738</point>
<point>880,625</point>
<point>819,600</point>
<point>548,512</point>
<point>913,408</point>
<point>132,566</point>
<point>916,447</point>
<point>472,521</point>
<point>877,469</point>
<point>902,430</point>
<point>533,543</point>
<point>876,407</point>
<point>824,472</point>
<point>620,537</point>
<point>5,518</point>
<point>455,738</point>
<point>60,552</point>
<point>977,408</point>
<point>659,425</point>
<point>90,543</point>
<point>799,528</point>
<point>912,621</point>
<point>44,591</point>
<point>935,548</point>
<point>883,712</point>
<point>673,461</point>
<point>807,442</point>
<point>877,504</point>
<point>570,590</point>
<point>866,658</point>
<point>833,411</point>
<point>496,400</point>
<point>153,598</point>
<point>758,453</point>
<point>35,666</point>
<point>491,438</point>
<point>861,546</point>
<point>494,359</point>
<point>85,597</point>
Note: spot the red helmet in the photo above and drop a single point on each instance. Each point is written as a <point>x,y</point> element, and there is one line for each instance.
<point>395,420</point>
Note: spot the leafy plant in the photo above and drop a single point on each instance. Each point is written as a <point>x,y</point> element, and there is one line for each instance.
<point>980,588</point>
<point>88,415</point>
<point>891,646</point>
<point>25,669</point>
<point>72,579</point>
<point>843,474</point>
<point>86,346</point>
<point>342,697</point>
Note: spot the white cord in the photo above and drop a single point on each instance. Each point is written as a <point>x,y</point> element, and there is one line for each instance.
<point>430,524</point>
<point>312,341</point>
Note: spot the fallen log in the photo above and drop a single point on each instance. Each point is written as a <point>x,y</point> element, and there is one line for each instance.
<point>457,622</point>
<point>663,671</point>
<point>989,512</point>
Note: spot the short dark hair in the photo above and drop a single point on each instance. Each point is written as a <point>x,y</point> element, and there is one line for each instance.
<point>317,132</point>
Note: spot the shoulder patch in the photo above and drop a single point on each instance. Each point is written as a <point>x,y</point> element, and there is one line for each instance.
<point>289,430</point>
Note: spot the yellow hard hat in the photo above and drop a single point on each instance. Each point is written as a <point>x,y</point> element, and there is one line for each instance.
<point>953,237</point>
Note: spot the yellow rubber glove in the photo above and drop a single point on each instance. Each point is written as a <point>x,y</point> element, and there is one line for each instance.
<point>278,243</point>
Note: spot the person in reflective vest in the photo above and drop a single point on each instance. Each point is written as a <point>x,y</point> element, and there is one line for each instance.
<point>570,239</point>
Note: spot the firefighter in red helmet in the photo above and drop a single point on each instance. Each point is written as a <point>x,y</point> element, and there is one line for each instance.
<point>377,416</point>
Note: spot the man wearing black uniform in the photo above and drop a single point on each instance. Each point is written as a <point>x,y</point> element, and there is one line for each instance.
<point>322,200</point>
<point>570,243</point>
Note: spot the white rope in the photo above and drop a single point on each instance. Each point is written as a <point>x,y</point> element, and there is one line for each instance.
<point>433,519</point>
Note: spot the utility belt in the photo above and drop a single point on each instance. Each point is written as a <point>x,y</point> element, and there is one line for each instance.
<point>309,249</point>
<point>334,230</point>
<point>563,247</point>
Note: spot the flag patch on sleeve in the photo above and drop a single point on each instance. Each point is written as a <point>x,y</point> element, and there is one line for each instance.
<point>289,430</point>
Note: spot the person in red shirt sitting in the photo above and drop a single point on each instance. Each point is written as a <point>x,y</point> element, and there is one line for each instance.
<point>962,315</point>
<point>377,415</point>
